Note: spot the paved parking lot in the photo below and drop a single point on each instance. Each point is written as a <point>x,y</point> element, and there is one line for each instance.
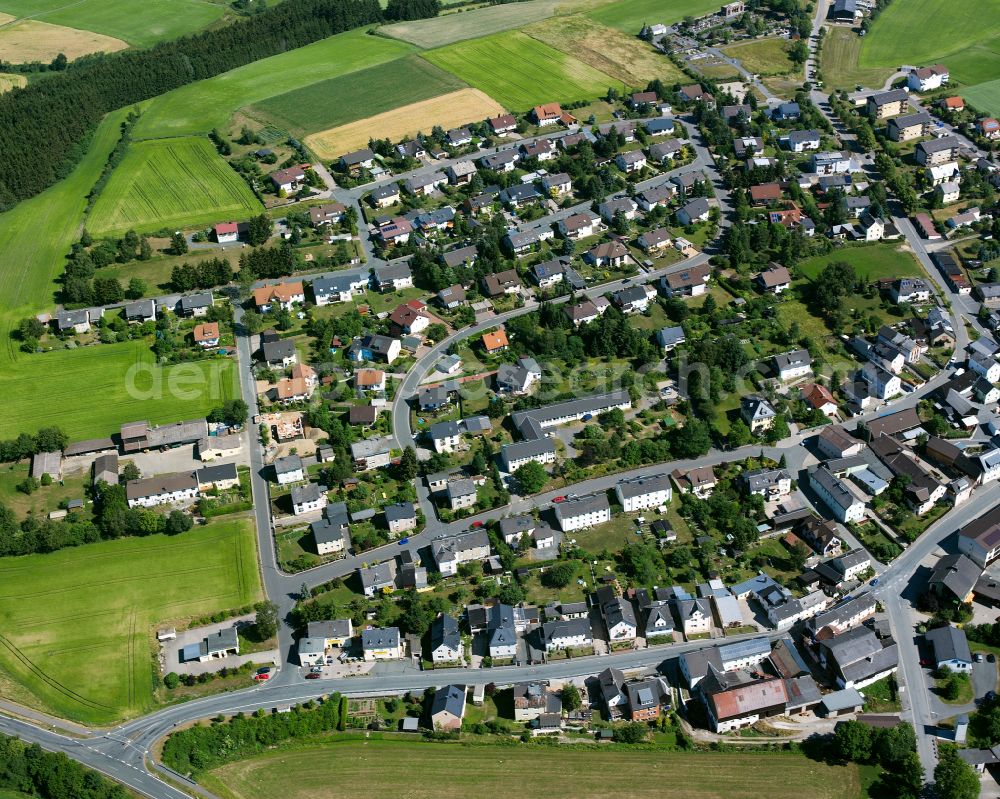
<point>170,651</point>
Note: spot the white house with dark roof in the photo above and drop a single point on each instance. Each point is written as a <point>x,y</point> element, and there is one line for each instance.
<point>381,643</point>
<point>640,493</point>
<point>583,512</point>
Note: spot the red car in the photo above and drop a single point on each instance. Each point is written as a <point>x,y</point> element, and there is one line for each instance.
<point>262,677</point>
<point>476,525</point>
<point>559,499</point>
<point>313,675</point>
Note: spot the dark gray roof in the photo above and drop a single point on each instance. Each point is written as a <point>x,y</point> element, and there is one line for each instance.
<point>216,473</point>
<point>399,511</point>
<point>444,632</point>
<point>516,524</point>
<point>380,638</point>
<point>310,492</point>
<point>450,699</point>
<point>290,463</point>
<point>957,573</point>
<point>582,505</point>
<point>949,643</point>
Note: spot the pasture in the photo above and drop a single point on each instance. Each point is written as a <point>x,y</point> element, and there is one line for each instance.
<point>839,62</point>
<point>33,40</point>
<point>985,96</point>
<point>447,110</point>
<point>29,262</point>
<point>451,28</point>
<point>536,73</point>
<point>365,93</point>
<point>447,771</point>
<point>630,15</point>
<point>902,35</point>
<point>171,183</point>
<point>871,262</point>
<point>607,50</point>
<point>137,22</point>
<point>89,392</point>
<point>76,626</point>
<point>10,81</point>
<point>207,104</point>
<point>763,56</point>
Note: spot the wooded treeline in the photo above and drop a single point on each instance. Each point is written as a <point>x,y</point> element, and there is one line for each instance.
<point>45,128</point>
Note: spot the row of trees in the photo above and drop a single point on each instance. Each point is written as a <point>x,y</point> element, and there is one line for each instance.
<point>31,771</point>
<point>44,128</point>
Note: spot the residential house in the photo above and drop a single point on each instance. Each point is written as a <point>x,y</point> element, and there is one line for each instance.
<point>426,183</point>
<point>792,365</point>
<point>283,295</point>
<point>767,483</point>
<point>655,240</point>
<point>288,180</point>
<point>798,141</point>
<point>562,634</point>
<point>501,632</point>
<point>631,161</point>
<point>195,304</point>
<point>451,551</point>
<point>641,493</point>
<point>621,205</point>
<point>206,335</point>
<point>400,517</point>
<point>583,512</point>
<point>980,538</point>
<point>883,105</point>
<point>951,648</point>
<point>665,151</point>
<point>669,338</point>
<point>372,453</point>
<point>858,657</point>
<point>446,640</point>
<point>339,287</point>
<point>307,499</point>
<point>288,470</point>
<point>381,643</point>
<point>835,494</point>
<point>461,494</point>
<point>162,489</point>
<point>694,211</point>
<point>925,79</point>
<point>499,283</point>
<point>392,277</point>
<point>758,413</point>
<point>699,481</point>
<point>557,184</point>
<point>495,341</point>
<point>607,254</point>
<point>687,282</point>
<point>936,151</point>
<point>514,456</point>
<point>385,195</point>
<point>374,347</point>
<point>954,577</point>
<point>503,124</point>
<point>517,379</point>
<point>395,231</point>
<point>818,397</point>
<point>822,536</point>
<point>786,112</point>
<point>911,126</point>
<point>500,161</point>
<point>633,299</point>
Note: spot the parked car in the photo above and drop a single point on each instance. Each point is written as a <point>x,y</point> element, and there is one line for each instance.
<point>313,675</point>
<point>559,499</point>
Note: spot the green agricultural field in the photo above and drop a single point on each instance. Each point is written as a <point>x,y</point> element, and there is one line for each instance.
<point>763,56</point>
<point>207,104</point>
<point>871,262</point>
<point>448,771</point>
<point>354,96</point>
<point>90,392</point>
<point>985,96</point>
<point>631,15</point>
<point>543,73</point>
<point>76,625</point>
<point>31,261</point>
<point>451,28</point>
<point>171,183</point>
<point>137,22</point>
<point>902,35</point>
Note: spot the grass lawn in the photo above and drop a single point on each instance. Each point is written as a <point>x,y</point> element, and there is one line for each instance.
<point>172,183</point>
<point>630,15</point>
<point>839,62</point>
<point>91,391</point>
<point>206,104</point>
<point>356,95</point>
<point>29,261</point>
<point>543,73</point>
<point>883,696</point>
<point>871,262</point>
<point>46,498</point>
<point>763,56</point>
<point>443,771</point>
<point>965,692</point>
<point>76,625</point>
<point>139,23</point>
<point>606,49</point>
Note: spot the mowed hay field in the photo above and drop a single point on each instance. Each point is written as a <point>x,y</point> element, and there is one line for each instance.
<point>32,40</point>
<point>211,103</point>
<point>31,261</point>
<point>354,96</point>
<point>138,22</point>
<point>10,81</point>
<point>450,28</point>
<point>630,15</point>
<point>89,392</point>
<point>839,62</point>
<point>448,111</point>
<point>607,50</point>
<point>520,72</point>
<point>76,626</point>
<point>450,771</point>
<point>171,183</point>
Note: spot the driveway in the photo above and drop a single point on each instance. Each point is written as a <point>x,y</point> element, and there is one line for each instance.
<point>170,651</point>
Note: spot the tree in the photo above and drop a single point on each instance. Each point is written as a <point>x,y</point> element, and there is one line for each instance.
<point>778,431</point>
<point>852,741</point>
<point>531,478</point>
<point>692,440</point>
<point>408,466</point>
<point>178,522</point>
<point>130,472</point>
<point>234,412</point>
<point>259,230</point>
<point>178,244</point>
<point>739,434</point>
<point>953,777</point>
<point>631,733</point>
<point>559,575</point>
<point>267,619</point>
<point>171,680</point>
<point>436,331</point>
<point>570,696</point>
<point>145,250</point>
<point>136,288</point>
